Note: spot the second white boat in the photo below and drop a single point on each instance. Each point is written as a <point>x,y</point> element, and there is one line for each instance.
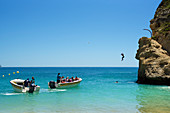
<point>53,84</point>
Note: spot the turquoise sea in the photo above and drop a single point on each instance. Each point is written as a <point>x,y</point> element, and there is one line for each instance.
<point>97,93</point>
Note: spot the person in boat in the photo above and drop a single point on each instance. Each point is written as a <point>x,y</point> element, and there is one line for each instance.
<point>26,82</point>
<point>58,78</point>
<point>66,79</point>
<point>69,80</point>
<point>62,80</point>
<point>72,78</point>
<point>76,78</point>
<point>33,81</point>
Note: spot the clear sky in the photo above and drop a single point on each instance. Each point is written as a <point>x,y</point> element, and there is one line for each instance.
<point>73,32</point>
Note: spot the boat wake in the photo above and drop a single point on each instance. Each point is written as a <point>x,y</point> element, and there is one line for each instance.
<point>165,87</point>
<point>10,94</point>
<point>131,82</point>
<point>52,90</point>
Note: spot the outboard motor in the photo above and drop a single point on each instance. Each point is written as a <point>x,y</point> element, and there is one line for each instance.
<point>52,84</point>
<point>31,89</point>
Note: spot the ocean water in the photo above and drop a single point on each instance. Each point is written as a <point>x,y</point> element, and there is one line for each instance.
<point>97,93</point>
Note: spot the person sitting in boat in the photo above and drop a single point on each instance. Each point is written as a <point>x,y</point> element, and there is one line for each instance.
<point>66,79</point>
<point>58,78</point>
<point>33,82</point>
<point>62,80</point>
<point>26,82</point>
<point>76,78</point>
<point>72,78</point>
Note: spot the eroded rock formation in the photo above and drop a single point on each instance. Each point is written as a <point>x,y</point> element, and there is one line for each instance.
<point>153,53</point>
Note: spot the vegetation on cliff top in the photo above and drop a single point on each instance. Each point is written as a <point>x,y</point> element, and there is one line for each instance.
<point>160,24</point>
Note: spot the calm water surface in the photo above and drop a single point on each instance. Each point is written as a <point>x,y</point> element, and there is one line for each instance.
<point>97,93</point>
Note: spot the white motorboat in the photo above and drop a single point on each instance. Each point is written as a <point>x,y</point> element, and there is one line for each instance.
<point>53,84</point>
<point>18,86</point>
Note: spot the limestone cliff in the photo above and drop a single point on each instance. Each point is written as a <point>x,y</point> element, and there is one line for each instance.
<point>160,25</point>
<point>153,53</point>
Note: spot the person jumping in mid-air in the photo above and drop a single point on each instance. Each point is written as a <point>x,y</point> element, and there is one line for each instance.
<point>123,56</point>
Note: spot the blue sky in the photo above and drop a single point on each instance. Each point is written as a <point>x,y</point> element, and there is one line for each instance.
<point>86,33</point>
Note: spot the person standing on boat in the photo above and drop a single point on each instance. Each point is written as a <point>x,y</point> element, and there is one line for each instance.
<point>58,78</point>
<point>26,82</point>
<point>33,82</point>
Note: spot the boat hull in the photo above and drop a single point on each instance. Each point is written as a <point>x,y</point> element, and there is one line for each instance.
<point>67,84</point>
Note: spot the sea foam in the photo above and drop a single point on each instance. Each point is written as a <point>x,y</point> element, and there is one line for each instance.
<point>52,90</point>
<point>11,93</point>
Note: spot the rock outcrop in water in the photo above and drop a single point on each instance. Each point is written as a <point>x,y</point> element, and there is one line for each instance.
<point>154,53</point>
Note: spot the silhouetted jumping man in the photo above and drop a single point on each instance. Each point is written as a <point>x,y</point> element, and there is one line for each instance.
<point>122,56</point>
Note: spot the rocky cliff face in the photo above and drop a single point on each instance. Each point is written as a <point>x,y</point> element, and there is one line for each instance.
<point>153,53</point>
<point>160,25</point>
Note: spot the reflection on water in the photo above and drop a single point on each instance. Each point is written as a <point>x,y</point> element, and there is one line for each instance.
<point>153,99</point>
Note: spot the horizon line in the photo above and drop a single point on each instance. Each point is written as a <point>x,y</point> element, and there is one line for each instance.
<point>68,66</point>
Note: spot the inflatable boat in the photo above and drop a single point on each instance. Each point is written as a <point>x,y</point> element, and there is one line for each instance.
<point>18,86</point>
<point>53,84</point>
